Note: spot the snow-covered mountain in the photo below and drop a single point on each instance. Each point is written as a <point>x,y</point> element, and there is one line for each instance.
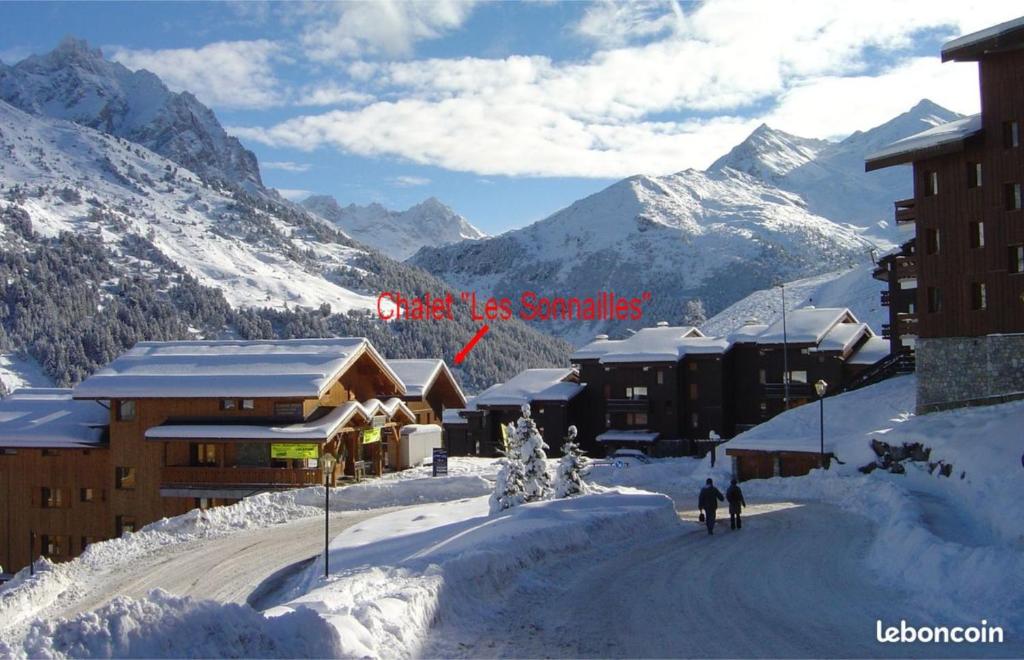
<point>714,236</point>
<point>829,176</point>
<point>76,83</point>
<point>400,233</point>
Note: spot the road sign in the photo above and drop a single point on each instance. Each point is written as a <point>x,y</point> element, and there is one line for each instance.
<point>440,462</point>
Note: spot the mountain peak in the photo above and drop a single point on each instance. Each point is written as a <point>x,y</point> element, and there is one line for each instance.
<point>768,153</point>
<point>72,45</point>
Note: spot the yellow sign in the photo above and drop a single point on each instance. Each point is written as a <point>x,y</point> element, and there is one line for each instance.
<point>371,436</point>
<point>295,450</point>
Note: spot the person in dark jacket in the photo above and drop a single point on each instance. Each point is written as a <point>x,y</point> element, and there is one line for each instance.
<point>708,503</point>
<point>736,503</point>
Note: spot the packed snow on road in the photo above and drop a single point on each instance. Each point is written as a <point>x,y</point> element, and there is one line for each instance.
<point>824,565</point>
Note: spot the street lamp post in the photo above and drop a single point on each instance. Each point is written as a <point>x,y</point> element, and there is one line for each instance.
<point>821,387</point>
<point>328,461</point>
<point>785,352</point>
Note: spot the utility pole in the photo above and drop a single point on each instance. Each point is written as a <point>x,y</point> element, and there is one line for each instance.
<point>785,352</point>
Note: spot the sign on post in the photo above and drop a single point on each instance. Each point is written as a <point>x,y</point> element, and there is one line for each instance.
<point>440,462</point>
<point>371,436</point>
<point>295,450</point>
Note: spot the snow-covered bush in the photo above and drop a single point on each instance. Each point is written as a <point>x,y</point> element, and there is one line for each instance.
<point>509,487</point>
<point>535,460</point>
<point>569,476</point>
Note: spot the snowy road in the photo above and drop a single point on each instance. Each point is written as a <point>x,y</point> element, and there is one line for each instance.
<point>792,583</point>
<point>227,569</point>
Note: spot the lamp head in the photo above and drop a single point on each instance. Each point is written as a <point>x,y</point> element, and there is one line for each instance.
<point>821,387</point>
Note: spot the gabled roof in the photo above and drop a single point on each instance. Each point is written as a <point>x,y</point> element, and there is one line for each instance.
<point>844,336</point>
<point>807,325</point>
<point>663,343</point>
<point>870,352</point>
<point>938,140</point>
<point>420,375</point>
<point>747,333</point>
<point>532,385</point>
<point>972,47</point>
<point>283,368</point>
<point>50,418</point>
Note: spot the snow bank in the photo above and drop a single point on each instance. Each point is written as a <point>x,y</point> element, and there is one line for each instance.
<point>26,597</point>
<point>167,626</point>
<point>392,576</point>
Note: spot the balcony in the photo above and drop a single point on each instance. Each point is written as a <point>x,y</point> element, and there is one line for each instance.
<point>796,391</point>
<point>240,476</point>
<point>628,405</point>
<point>906,326</point>
<point>885,298</point>
<point>905,211</point>
<point>905,268</point>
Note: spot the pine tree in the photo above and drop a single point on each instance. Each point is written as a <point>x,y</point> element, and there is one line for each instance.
<point>535,463</point>
<point>694,314</point>
<point>510,485</point>
<point>569,476</point>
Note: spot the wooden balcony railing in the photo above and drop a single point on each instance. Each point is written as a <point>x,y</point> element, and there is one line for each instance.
<point>240,476</point>
<point>796,391</point>
<point>628,405</point>
<point>886,297</point>
<point>905,211</point>
<point>905,268</point>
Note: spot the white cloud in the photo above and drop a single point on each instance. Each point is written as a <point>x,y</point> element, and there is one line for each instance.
<point>294,194</point>
<point>383,27</point>
<point>285,166</point>
<point>410,181</point>
<point>330,93</point>
<point>818,69</point>
<point>223,74</point>
<point>616,23</point>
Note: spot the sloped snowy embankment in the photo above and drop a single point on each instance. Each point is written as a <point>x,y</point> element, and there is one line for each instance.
<point>26,597</point>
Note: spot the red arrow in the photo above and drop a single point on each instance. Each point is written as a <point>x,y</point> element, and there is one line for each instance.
<point>461,355</point>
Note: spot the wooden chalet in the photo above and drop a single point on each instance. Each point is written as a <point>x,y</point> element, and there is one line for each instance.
<point>430,388</point>
<point>553,397</point>
<point>968,216</point>
<point>54,476</point>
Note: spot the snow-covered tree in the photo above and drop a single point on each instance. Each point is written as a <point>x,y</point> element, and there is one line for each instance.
<point>569,476</point>
<point>535,461</point>
<point>694,314</point>
<point>510,485</point>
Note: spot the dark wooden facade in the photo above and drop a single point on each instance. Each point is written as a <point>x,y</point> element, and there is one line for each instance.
<point>899,271</point>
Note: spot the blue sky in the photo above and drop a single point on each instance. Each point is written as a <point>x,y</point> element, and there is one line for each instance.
<point>510,111</point>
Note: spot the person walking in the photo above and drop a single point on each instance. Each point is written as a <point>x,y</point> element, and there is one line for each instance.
<point>708,503</point>
<point>736,503</point>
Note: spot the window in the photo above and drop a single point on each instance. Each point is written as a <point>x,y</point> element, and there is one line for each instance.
<point>53,546</point>
<point>979,297</point>
<point>694,420</point>
<point>798,376</point>
<point>636,419</point>
<point>764,406</point>
<point>607,391</point>
<point>661,376</point>
<point>1013,196</point>
<point>931,183</point>
<point>762,376</point>
<point>607,421</point>
<point>126,410</point>
<point>51,498</point>
<point>934,299</point>
<point>1011,134</point>
<point>288,410</point>
<point>692,366</point>
<point>228,404</point>
<point>51,452</point>
<point>932,241</point>
<point>204,454</point>
<point>1017,259</point>
<point>694,392</point>
<point>973,175</point>
<point>977,236</point>
<point>124,524</point>
<point>636,393</point>
<point>124,478</point>
<point>248,404</point>
<point>668,407</point>
<point>86,495</point>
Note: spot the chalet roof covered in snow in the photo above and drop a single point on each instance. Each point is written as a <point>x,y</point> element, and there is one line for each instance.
<point>320,430</point>
<point>941,139</point>
<point>285,368</point>
<point>532,385</point>
<point>627,436</point>
<point>663,343</point>
<point>843,336</point>
<point>49,418</point>
<point>747,333</point>
<point>971,47</point>
<point>420,375</point>
<point>870,352</point>
<point>807,325</point>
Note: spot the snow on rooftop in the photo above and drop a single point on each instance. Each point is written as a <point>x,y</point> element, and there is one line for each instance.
<point>50,418</point>
<point>953,131</point>
<point>286,368</point>
<point>658,344</point>
<point>843,336</point>
<point>807,325</point>
<point>451,416</point>
<point>873,350</point>
<point>982,35</point>
<point>419,375</point>
<point>320,430</point>
<point>627,436</point>
<point>747,333</point>
<point>532,385</point>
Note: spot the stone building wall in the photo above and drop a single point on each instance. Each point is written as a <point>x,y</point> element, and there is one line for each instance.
<point>953,372</point>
